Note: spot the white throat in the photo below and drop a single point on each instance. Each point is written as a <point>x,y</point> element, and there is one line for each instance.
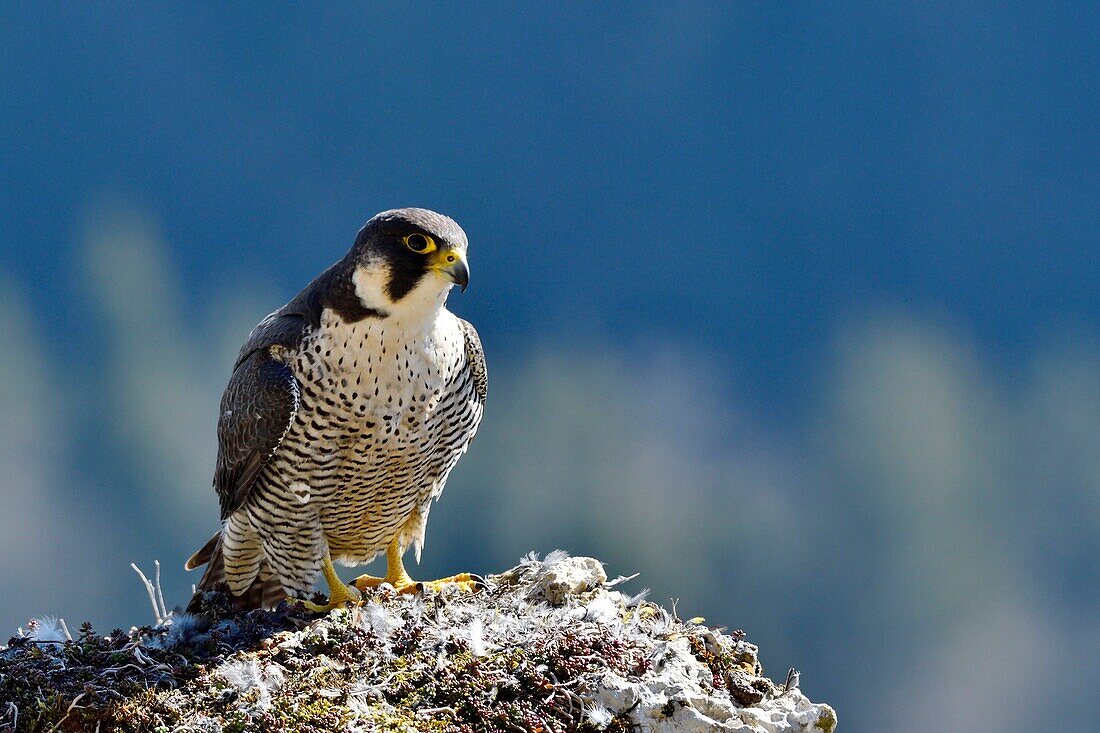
<point>420,306</point>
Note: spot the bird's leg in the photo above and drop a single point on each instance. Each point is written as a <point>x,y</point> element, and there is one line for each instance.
<point>398,577</point>
<point>338,592</point>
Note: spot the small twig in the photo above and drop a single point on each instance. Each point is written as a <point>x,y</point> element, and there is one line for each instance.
<point>150,590</point>
<point>620,579</point>
<point>37,641</point>
<point>72,706</point>
<point>115,671</point>
<point>160,592</point>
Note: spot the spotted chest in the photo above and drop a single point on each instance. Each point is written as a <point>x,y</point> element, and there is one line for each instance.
<point>385,414</point>
<point>376,371</point>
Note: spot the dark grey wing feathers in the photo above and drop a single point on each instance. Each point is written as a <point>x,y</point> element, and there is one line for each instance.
<point>475,359</point>
<point>257,410</point>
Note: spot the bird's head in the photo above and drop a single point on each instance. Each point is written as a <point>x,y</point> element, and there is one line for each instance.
<point>407,260</point>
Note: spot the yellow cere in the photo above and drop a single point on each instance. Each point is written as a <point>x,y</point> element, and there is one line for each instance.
<point>444,258</point>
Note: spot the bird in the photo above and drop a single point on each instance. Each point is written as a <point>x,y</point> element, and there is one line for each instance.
<point>345,413</point>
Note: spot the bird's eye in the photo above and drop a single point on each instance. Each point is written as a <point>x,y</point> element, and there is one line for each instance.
<point>419,243</point>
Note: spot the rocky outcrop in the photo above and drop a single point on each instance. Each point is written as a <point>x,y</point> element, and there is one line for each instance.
<point>551,645</point>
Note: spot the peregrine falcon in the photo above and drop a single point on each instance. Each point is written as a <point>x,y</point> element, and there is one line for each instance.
<point>347,409</point>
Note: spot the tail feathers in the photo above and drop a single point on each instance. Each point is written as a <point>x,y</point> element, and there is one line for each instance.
<point>265,592</point>
<point>203,555</point>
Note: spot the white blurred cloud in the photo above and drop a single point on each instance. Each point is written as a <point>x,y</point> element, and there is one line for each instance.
<point>46,522</point>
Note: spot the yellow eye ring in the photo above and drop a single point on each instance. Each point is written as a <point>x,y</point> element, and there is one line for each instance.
<point>419,243</point>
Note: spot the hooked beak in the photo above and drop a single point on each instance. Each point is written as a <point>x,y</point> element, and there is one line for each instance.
<point>451,264</point>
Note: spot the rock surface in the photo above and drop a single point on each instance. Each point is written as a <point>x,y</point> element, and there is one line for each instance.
<point>550,646</point>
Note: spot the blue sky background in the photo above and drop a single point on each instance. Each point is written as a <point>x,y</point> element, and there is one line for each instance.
<point>794,309</point>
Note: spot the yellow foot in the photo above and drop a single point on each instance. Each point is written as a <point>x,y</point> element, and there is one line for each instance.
<point>340,596</point>
<point>464,581</point>
<point>401,585</point>
<point>400,580</point>
<point>339,593</point>
<point>406,585</point>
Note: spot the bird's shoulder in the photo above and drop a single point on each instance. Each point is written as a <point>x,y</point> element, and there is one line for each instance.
<point>332,290</point>
<point>288,326</point>
<point>281,329</point>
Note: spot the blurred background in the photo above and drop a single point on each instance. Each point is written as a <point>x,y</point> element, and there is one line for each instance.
<point>793,310</point>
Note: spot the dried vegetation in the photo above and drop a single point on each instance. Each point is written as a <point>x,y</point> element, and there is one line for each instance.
<point>550,646</point>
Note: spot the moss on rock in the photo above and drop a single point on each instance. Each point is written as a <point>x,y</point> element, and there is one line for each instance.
<point>550,646</point>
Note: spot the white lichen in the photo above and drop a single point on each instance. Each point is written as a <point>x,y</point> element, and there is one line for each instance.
<point>551,635</point>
